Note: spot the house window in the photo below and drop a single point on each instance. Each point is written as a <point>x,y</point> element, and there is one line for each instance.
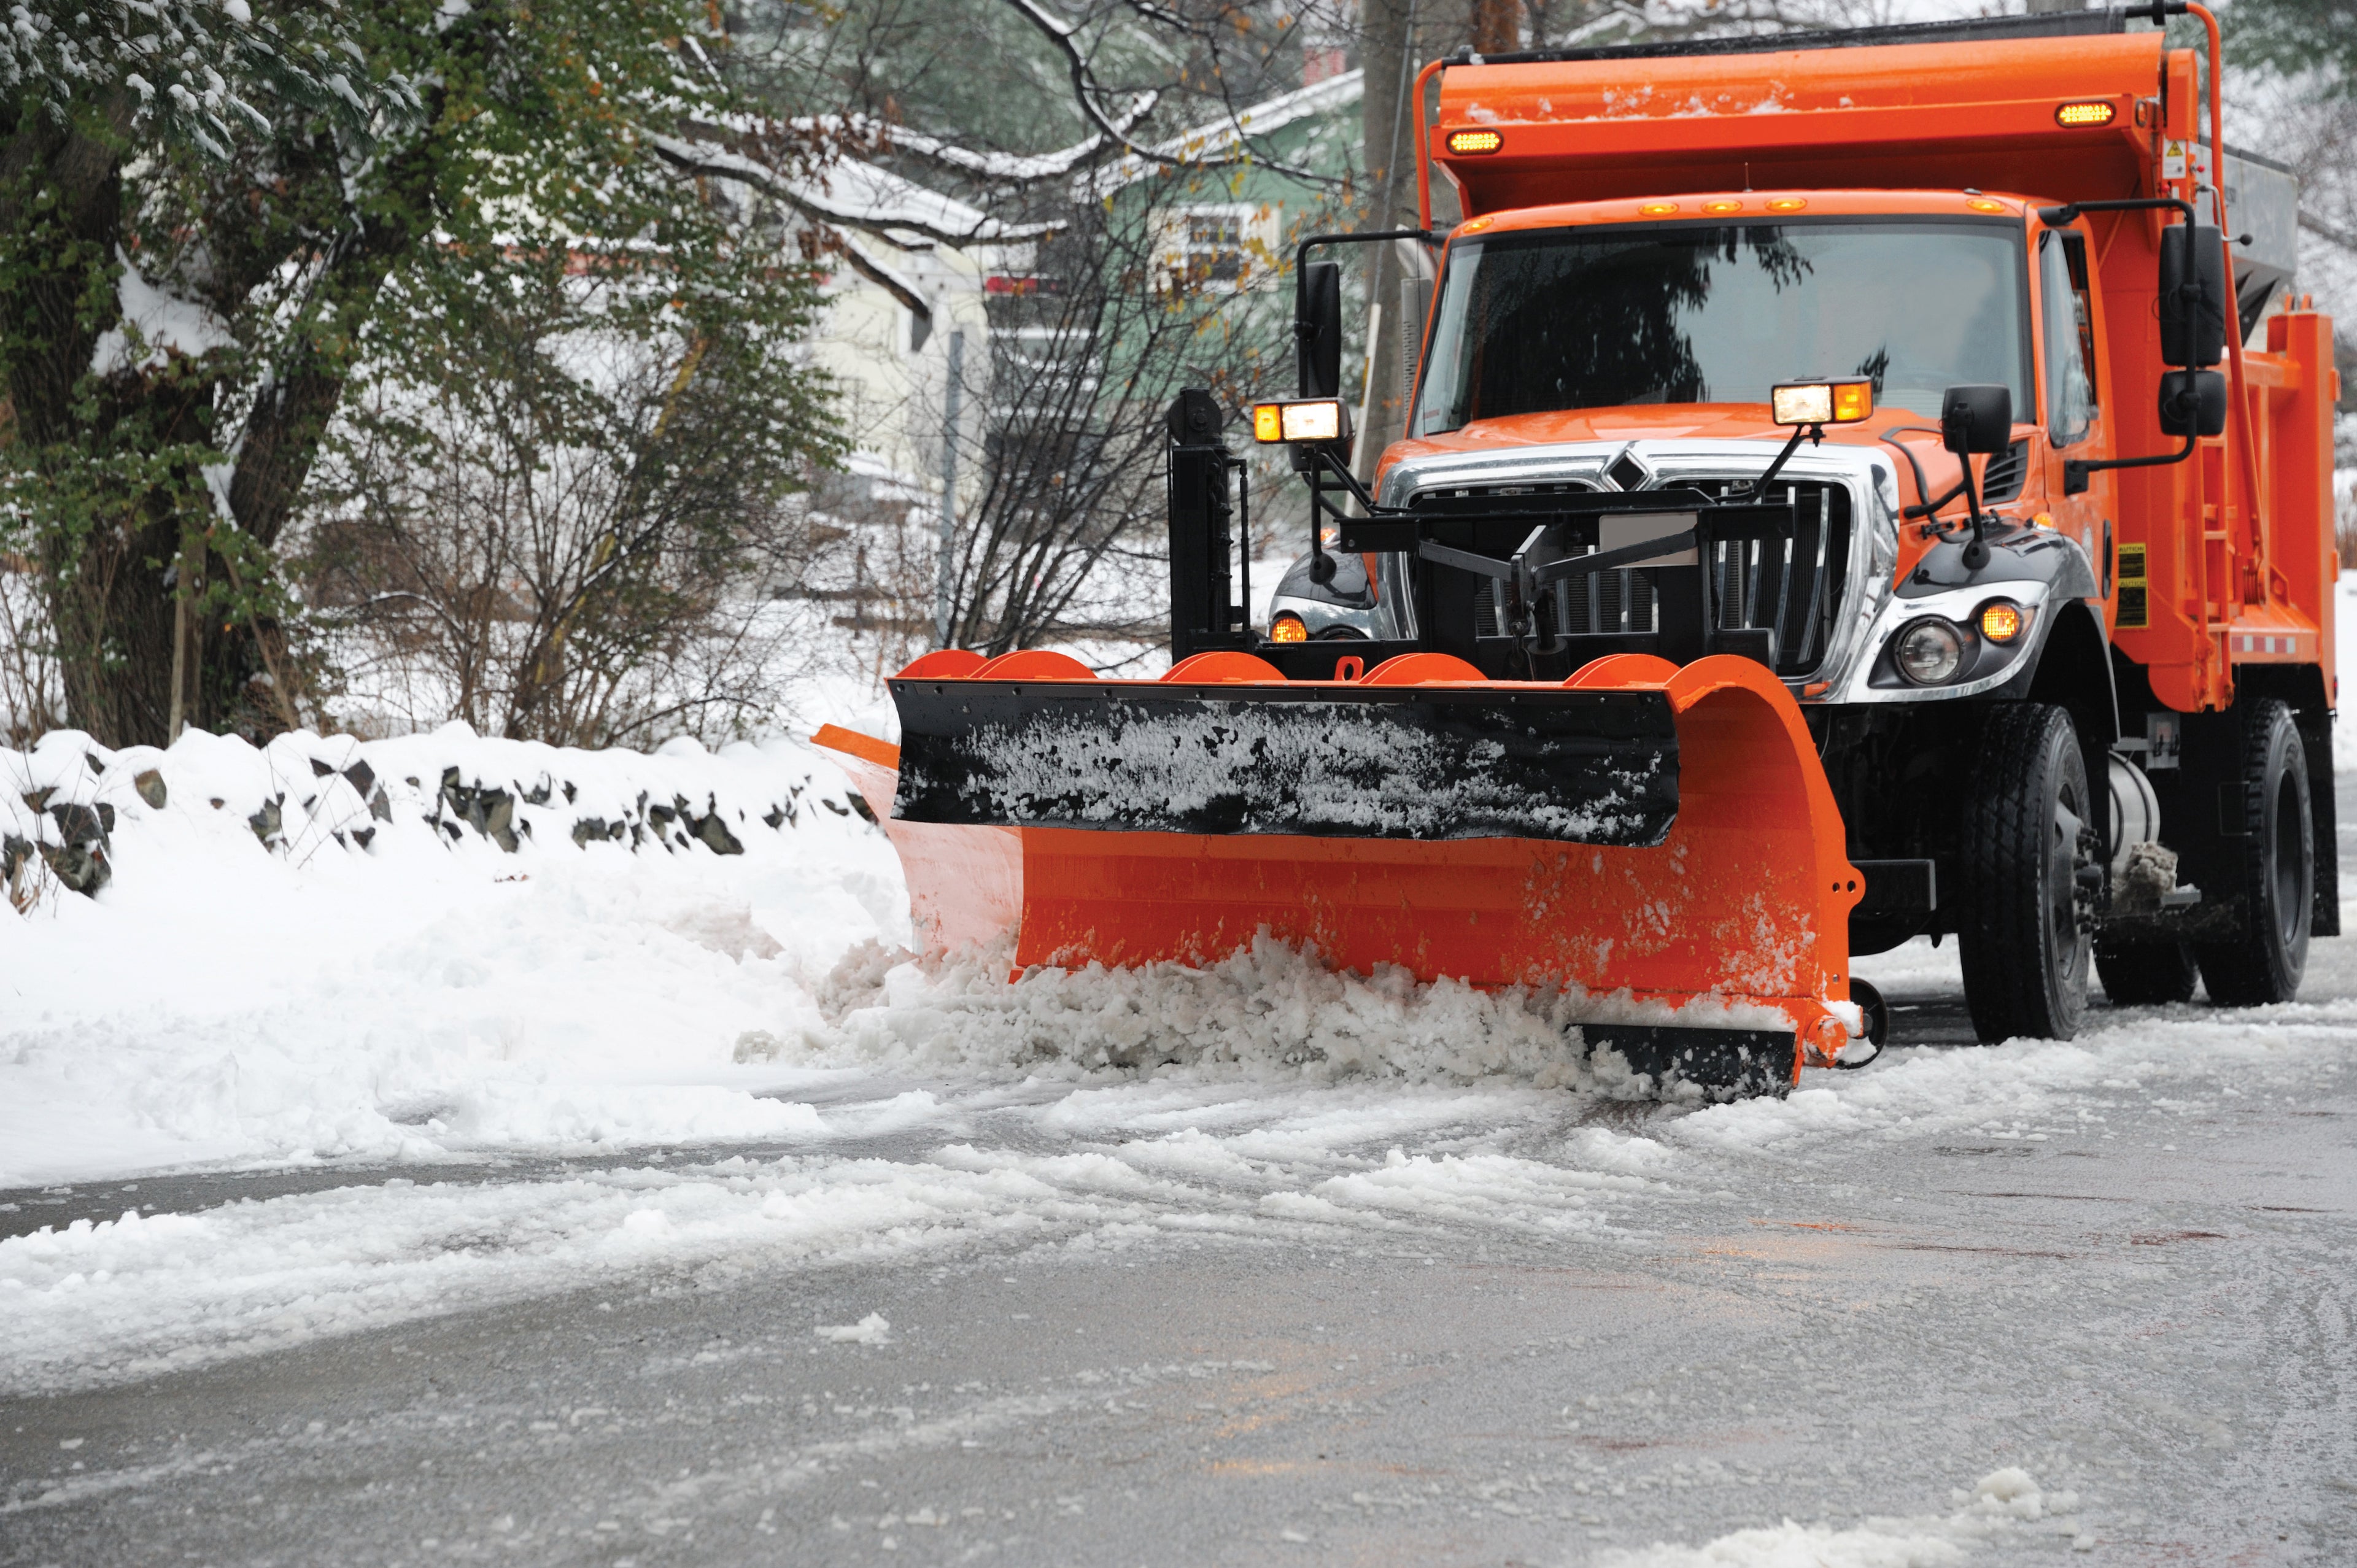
<point>1222,248</point>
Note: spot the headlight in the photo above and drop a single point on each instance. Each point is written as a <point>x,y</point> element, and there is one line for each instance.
<point>1930,651</point>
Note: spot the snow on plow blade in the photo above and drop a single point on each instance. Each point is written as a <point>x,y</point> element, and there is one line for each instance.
<point>1662,839</point>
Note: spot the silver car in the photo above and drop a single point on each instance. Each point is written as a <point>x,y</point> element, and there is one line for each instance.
<point>1343,608</point>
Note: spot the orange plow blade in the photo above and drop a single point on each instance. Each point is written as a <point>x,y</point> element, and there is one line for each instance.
<point>1662,839</point>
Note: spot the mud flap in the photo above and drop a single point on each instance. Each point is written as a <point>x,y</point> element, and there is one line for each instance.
<point>1724,1064</point>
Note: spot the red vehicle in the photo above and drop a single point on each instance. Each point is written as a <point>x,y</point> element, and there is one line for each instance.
<point>1856,485</point>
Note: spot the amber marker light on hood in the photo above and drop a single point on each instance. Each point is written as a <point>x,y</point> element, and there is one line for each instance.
<point>1821,402</point>
<point>2000,622</point>
<point>1722,205</point>
<point>1787,204</point>
<point>2094,113</point>
<point>1658,208</point>
<point>1983,204</point>
<point>1475,141</point>
<point>1287,629</point>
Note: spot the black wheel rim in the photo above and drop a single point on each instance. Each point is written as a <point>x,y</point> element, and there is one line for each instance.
<point>2287,866</point>
<point>2067,941</point>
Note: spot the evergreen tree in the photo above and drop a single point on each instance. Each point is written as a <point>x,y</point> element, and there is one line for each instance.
<point>216,222</point>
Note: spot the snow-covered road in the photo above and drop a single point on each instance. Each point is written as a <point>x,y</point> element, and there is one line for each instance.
<point>573,1207</point>
<point>1967,1306</point>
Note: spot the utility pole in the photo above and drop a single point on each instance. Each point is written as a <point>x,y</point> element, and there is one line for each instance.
<point>946,575</point>
<point>173,721</point>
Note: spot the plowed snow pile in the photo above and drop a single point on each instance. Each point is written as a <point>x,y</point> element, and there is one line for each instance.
<point>443,944</point>
<point>330,948</point>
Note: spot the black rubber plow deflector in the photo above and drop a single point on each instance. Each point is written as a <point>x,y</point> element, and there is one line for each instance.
<point>1740,1061</point>
<point>1389,763</point>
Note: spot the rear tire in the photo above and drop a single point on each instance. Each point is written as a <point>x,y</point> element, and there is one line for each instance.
<point>2145,974</point>
<point>2023,928</point>
<point>2276,878</point>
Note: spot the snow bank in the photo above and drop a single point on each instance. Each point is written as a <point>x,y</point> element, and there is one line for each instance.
<point>400,948</point>
<point>436,945</point>
<point>440,945</point>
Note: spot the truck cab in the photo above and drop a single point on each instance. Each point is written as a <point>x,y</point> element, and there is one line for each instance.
<point>1917,314</point>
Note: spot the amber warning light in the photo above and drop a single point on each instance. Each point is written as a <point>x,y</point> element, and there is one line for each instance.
<point>2085,113</point>
<point>1475,141</point>
<point>1821,402</point>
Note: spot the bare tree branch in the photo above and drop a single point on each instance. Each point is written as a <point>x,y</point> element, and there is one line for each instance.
<point>1004,169</point>
<point>893,204</point>
<point>1085,92</point>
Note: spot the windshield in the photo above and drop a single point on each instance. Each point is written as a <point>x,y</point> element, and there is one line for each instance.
<point>1565,318</point>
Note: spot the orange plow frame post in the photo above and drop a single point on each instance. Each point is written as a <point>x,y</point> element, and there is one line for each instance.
<point>1743,907</point>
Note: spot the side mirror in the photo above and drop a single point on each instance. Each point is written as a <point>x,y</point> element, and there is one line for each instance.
<point>1318,330</point>
<point>1977,418</point>
<point>2192,402</point>
<point>2192,295</point>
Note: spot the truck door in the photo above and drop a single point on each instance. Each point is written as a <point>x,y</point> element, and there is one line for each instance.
<point>2071,405</point>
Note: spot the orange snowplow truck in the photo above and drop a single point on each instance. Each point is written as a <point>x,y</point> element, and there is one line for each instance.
<point>1856,485</point>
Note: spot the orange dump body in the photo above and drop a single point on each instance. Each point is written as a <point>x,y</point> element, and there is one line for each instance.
<point>1895,116</point>
<point>1738,916</point>
<point>2228,560</point>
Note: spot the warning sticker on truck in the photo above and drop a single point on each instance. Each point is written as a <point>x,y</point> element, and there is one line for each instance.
<point>2134,608</point>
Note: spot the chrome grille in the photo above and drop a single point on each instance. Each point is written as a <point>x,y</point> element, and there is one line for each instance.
<point>1791,586</point>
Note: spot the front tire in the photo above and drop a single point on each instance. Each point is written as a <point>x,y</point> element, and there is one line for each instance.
<point>2022,931</point>
<point>2276,879</point>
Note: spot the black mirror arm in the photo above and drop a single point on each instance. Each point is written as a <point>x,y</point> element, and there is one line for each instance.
<point>1926,508</point>
<point>2076,469</point>
<point>1324,457</point>
<point>1816,435</point>
<point>1301,258</point>
<point>1977,550</point>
